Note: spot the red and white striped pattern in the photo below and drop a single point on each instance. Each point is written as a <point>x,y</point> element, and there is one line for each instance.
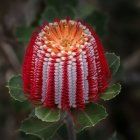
<point>64,66</point>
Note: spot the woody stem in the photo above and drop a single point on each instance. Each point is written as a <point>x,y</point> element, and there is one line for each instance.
<point>70,128</point>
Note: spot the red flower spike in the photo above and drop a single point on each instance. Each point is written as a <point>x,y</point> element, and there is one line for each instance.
<point>65,66</point>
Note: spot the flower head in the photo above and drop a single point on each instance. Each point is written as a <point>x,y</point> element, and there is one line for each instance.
<point>64,65</point>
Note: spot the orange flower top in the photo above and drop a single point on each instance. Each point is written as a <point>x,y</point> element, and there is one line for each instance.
<point>65,66</point>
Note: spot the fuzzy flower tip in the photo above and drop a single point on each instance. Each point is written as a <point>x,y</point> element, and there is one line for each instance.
<point>64,66</point>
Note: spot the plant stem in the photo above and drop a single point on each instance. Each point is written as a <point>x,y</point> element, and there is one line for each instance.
<point>70,128</point>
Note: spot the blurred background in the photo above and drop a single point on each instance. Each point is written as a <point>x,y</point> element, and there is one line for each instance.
<point>117,22</point>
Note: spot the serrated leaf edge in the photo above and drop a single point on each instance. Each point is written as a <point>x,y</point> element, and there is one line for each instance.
<point>118,57</point>
<point>28,133</point>
<point>46,120</point>
<point>114,94</point>
<point>106,114</point>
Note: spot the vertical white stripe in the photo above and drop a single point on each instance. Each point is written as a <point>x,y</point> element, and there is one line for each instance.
<point>83,77</point>
<point>44,79</point>
<point>56,78</point>
<point>60,84</point>
<point>74,79</point>
<point>70,79</point>
<point>86,85</point>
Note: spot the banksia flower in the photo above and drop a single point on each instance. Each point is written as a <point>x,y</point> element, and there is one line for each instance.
<point>64,66</point>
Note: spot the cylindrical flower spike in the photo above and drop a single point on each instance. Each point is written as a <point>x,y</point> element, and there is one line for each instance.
<point>65,66</point>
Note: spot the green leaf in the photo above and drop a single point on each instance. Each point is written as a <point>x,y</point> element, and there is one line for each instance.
<point>113,62</point>
<point>49,15</point>
<point>15,88</point>
<point>93,114</point>
<point>67,11</point>
<point>47,115</point>
<point>111,92</point>
<point>24,33</point>
<point>43,130</point>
